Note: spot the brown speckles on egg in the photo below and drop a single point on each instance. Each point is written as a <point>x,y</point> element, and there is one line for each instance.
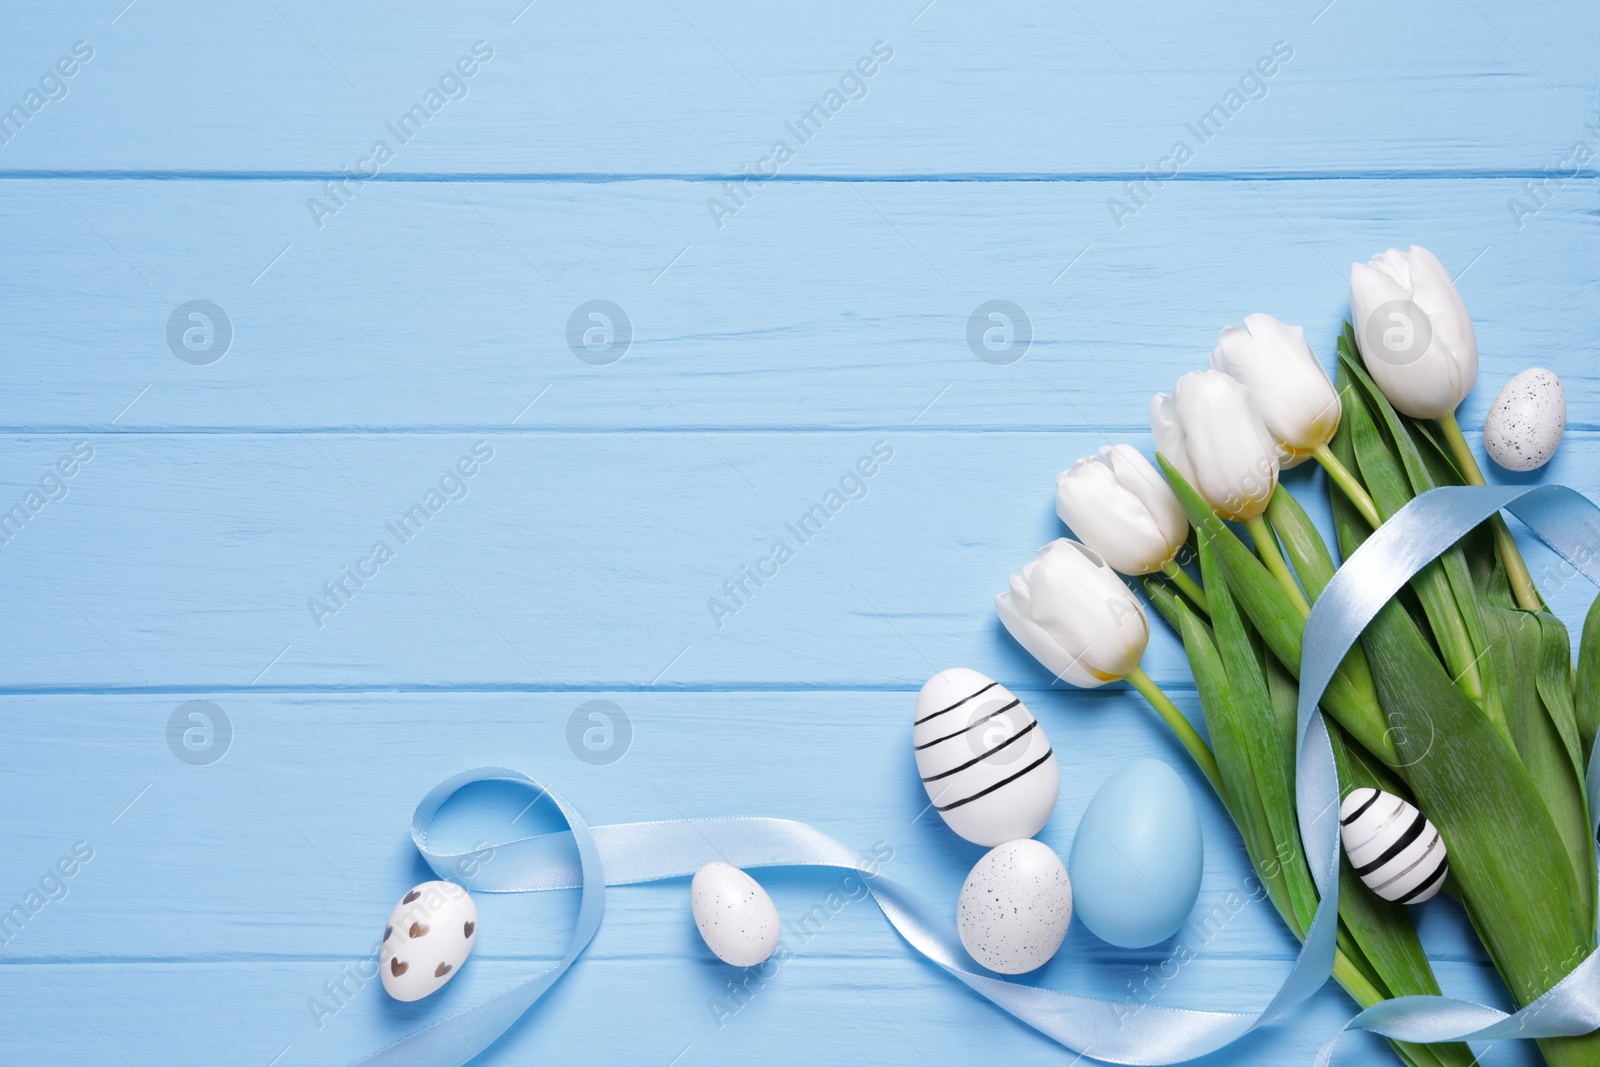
<point>1015,907</point>
<point>1526,421</point>
<point>734,915</point>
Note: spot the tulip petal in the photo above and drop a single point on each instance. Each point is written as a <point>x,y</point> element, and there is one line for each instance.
<point>1082,602</point>
<point>1112,517</point>
<point>1234,457</point>
<point>1041,646</point>
<point>1288,387</point>
<point>1413,331</point>
<point>1078,618</point>
<point>1169,434</point>
<point>1140,477</point>
<point>1437,295</point>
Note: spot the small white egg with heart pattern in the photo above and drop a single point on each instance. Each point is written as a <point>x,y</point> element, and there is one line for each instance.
<point>1524,426</point>
<point>1392,846</point>
<point>429,936</point>
<point>735,916</point>
<point>984,759</point>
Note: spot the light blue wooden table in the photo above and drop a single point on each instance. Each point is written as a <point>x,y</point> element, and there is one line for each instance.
<point>362,337</point>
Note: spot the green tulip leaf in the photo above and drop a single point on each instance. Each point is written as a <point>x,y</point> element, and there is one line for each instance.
<point>1386,481</point>
<point>1558,768</point>
<point>1382,930</point>
<point>1165,601</point>
<point>1301,541</point>
<point>1350,697</point>
<point>1586,693</point>
<point>1223,726</point>
<point>1505,850</point>
<point>1254,722</point>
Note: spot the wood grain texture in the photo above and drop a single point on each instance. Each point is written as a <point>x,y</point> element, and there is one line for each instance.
<point>893,1011</point>
<point>703,87</point>
<point>270,869</point>
<point>204,561</point>
<point>773,346</point>
<point>446,306</point>
<point>293,780</point>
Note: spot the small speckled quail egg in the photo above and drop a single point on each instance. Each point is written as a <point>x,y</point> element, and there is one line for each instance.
<point>1526,421</point>
<point>734,914</point>
<point>1015,907</point>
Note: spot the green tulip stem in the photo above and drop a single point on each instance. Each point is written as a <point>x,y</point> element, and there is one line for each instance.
<point>1348,482</point>
<point>1511,556</point>
<point>1188,585</point>
<point>1267,549</point>
<point>1196,745</point>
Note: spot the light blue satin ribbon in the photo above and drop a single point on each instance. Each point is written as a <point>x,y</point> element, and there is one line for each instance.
<point>590,859</point>
<point>1570,524</point>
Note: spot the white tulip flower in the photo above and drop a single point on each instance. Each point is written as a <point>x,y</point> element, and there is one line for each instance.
<point>1208,429</point>
<point>1118,504</point>
<point>1287,385</point>
<point>1419,346</point>
<point>1413,331</point>
<point>1072,613</point>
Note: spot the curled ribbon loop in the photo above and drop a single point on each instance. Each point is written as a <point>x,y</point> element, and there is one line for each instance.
<point>590,859</point>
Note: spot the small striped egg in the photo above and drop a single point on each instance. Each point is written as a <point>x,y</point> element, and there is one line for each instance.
<point>1392,846</point>
<point>985,761</point>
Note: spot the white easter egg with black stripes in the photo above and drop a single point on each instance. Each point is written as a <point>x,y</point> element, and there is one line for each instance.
<point>985,761</point>
<point>1392,846</point>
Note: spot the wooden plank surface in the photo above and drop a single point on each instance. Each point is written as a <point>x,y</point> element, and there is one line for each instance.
<point>364,339</point>
<point>259,875</point>
<point>447,306</point>
<point>702,87</point>
<point>647,1011</point>
<point>594,560</point>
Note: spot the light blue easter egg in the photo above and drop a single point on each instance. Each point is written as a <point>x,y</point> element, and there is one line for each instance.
<point>1137,856</point>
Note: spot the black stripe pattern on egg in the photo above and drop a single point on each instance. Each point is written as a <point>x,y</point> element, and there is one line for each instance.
<point>1392,846</point>
<point>985,761</point>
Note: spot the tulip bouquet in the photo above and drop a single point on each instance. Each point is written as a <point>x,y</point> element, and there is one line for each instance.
<point>1461,696</point>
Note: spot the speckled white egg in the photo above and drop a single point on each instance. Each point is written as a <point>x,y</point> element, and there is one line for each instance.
<point>735,916</point>
<point>1526,421</point>
<point>1015,907</point>
<point>1392,846</point>
<point>429,936</point>
<point>985,761</point>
